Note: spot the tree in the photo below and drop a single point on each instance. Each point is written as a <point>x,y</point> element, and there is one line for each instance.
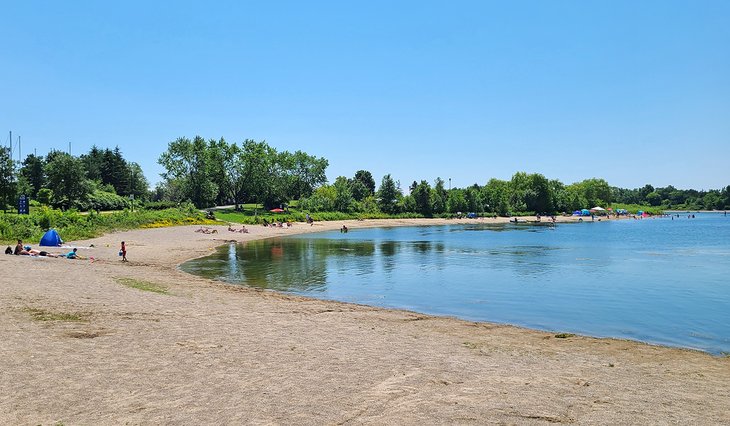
<point>187,163</point>
<point>93,163</point>
<point>473,198</point>
<point>366,178</point>
<point>538,197</point>
<point>646,190</point>
<point>457,201</point>
<point>32,171</point>
<point>7,177</point>
<point>307,172</point>
<point>358,189</point>
<point>222,157</point>
<point>139,187</point>
<point>343,195</point>
<point>597,192</point>
<point>422,197</point>
<point>388,195</point>
<point>67,179</point>
<point>496,196</point>
<point>653,198</point>
<point>438,196</point>
<point>45,196</point>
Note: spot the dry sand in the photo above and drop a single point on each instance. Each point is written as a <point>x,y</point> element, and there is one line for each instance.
<point>210,353</point>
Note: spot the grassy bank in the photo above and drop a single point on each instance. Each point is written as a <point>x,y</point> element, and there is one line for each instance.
<point>73,225</point>
<point>253,217</point>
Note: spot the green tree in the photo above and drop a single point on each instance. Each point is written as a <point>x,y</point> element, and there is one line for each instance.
<point>653,198</point>
<point>518,187</point>
<point>222,157</point>
<point>188,164</point>
<point>45,196</point>
<point>473,197</point>
<point>597,192</point>
<point>138,185</point>
<point>422,198</point>
<point>456,201</point>
<point>67,180</point>
<point>367,180</point>
<point>538,197</point>
<point>495,195</point>
<point>7,178</point>
<point>32,171</point>
<point>388,195</point>
<point>307,173</point>
<point>343,195</point>
<point>438,196</point>
<point>358,189</point>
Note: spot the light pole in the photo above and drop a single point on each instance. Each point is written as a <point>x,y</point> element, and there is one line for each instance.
<point>449,184</point>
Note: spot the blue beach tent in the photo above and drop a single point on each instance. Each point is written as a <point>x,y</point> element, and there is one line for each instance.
<point>585,212</point>
<point>51,239</point>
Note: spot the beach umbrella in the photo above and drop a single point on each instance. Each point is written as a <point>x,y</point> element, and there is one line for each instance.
<point>276,210</point>
<point>598,209</point>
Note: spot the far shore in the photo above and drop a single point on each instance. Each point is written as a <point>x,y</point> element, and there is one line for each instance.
<point>87,343</point>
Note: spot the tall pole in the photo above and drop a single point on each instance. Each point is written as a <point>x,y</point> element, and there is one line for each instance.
<point>10,144</point>
<point>69,147</point>
<point>18,149</point>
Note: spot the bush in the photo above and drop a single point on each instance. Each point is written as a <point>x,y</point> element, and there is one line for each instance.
<point>73,225</point>
<point>159,205</point>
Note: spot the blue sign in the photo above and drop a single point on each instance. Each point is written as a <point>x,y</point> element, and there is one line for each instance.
<point>23,205</point>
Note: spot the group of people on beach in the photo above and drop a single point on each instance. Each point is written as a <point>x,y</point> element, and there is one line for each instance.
<point>206,230</point>
<point>26,250</point>
<point>243,229</point>
<point>277,224</point>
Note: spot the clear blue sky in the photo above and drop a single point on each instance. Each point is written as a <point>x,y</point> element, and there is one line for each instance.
<point>634,92</point>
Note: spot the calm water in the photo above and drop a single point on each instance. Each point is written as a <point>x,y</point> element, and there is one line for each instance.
<point>655,280</point>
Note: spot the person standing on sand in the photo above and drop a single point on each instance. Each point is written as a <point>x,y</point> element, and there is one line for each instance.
<point>123,251</point>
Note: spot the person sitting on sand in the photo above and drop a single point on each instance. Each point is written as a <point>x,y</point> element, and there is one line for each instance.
<point>72,254</point>
<point>18,248</point>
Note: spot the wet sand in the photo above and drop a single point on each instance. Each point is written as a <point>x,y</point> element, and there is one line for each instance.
<point>211,353</point>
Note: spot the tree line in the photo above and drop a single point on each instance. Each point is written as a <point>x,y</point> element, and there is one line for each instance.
<point>215,172</point>
<point>101,179</point>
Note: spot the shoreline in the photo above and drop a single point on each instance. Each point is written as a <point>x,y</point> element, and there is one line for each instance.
<point>210,351</point>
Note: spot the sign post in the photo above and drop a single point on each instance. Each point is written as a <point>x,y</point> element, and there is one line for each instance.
<point>23,205</point>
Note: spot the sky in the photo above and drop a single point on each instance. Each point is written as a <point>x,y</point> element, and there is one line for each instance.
<point>632,92</point>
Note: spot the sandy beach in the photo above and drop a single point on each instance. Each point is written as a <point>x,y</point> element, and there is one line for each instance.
<point>210,353</point>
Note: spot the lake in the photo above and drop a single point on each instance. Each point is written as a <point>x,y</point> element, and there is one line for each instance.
<point>664,281</point>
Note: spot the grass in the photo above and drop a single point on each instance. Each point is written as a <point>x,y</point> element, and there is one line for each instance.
<point>252,216</point>
<point>564,335</point>
<point>44,315</point>
<point>73,225</point>
<point>142,285</point>
<point>633,208</point>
